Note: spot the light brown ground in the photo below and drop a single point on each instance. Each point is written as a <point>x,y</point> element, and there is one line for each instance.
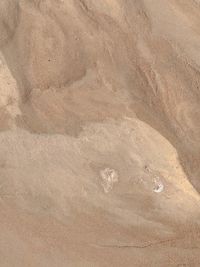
<point>99,133</point>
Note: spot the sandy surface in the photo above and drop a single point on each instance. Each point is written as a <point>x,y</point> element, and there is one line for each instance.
<point>99,133</point>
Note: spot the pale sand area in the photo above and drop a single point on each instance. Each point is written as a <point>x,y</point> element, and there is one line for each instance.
<point>99,133</point>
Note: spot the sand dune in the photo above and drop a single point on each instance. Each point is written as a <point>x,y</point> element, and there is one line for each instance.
<point>99,133</point>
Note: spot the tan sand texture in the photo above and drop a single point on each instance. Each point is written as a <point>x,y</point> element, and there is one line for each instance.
<point>99,133</point>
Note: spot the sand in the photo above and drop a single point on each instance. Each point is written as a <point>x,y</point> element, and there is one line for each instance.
<point>99,133</point>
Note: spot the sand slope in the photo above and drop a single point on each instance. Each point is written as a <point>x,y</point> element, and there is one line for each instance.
<point>99,133</point>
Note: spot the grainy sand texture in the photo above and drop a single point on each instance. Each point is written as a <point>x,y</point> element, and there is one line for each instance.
<point>99,133</point>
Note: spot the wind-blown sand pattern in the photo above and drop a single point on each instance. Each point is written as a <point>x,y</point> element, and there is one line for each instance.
<point>99,133</point>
